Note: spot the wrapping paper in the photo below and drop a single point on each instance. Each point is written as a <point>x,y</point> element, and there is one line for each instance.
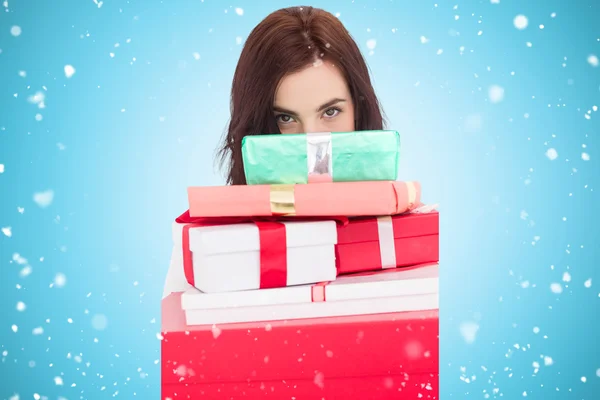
<point>325,199</point>
<point>398,290</point>
<point>259,255</point>
<point>368,244</point>
<point>321,157</point>
<point>362,349</point>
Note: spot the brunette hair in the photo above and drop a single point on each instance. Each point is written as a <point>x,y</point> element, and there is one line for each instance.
<point>287,41</point>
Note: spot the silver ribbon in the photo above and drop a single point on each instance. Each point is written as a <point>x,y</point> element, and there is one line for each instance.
<point>387,247</point>
<point>319,157</point>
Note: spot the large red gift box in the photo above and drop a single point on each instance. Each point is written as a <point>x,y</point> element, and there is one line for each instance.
<point>368,244</point>
<point>379,356</point>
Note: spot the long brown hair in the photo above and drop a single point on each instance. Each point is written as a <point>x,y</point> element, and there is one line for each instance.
<point>287,41</point>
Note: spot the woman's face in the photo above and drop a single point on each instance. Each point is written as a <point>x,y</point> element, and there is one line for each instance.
<point>315,99</point>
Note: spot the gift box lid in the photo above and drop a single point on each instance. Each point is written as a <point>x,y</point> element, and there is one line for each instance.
<point>245,237</point>
<point>405,225</point>
<point>418,280</point>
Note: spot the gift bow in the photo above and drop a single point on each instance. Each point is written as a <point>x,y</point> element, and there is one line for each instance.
<point>272,239</point>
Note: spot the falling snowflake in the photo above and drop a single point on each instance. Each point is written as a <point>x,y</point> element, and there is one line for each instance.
<point>216,331</point>
<point>43,199</point>
<point>239,11</point>
<point>7,231</point>
<point>60,280</point>
<point>15,30</point>
<point>469,330</point>
<point>556,288</point>
<point>69,71</point>
<point>593,60</point>
<point>496,94</point>
<point>552,154</point>
<point>319,379</point>
<point>520,22</point>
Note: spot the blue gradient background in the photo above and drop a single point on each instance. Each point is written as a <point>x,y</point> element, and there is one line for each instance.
<point>513,221</point>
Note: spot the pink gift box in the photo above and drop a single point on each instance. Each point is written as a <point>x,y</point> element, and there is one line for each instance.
<point>325,199</point>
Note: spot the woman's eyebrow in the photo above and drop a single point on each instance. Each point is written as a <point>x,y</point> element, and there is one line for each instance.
<point>321,108</point>
<point>330,103</point>
<point>284,111</point>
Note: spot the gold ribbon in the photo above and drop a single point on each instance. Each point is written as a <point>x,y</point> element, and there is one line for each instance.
<point>282,200</point>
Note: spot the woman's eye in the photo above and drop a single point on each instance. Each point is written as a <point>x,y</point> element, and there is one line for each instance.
<point>332,112</point>
<point>284,118</point>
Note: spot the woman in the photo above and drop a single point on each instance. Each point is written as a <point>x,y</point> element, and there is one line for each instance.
<point>300,71</point>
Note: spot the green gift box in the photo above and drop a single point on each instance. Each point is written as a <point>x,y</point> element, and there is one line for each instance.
<point>321,157</point>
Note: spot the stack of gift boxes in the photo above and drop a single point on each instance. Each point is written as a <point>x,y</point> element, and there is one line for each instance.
<point>317,279</point>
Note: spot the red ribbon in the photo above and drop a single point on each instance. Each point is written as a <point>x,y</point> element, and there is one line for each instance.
<point>273,254</point>
<point>273,248</point>
<point>317,292</point>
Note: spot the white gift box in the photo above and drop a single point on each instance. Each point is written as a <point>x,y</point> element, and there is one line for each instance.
<point>397,290</point>
<point>226,258</point>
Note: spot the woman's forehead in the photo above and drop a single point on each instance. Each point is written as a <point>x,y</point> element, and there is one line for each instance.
<point>308,89</point>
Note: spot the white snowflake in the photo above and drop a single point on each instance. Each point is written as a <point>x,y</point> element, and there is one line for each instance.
<point>552,154</point>
<point>496,94</point>
<point>69,71</point>
<point>468,330</point>
<point>60,280</point>
<point>44,199</point>
<point>216,331</point>
<point>520,22</point>
<point>15,30</point>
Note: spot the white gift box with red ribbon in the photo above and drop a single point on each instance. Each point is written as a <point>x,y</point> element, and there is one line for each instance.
<point>260,255</point>
<point>392,290</point>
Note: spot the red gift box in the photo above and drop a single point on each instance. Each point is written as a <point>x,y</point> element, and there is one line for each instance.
<point>368,244</point>
<point>376,356</point>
